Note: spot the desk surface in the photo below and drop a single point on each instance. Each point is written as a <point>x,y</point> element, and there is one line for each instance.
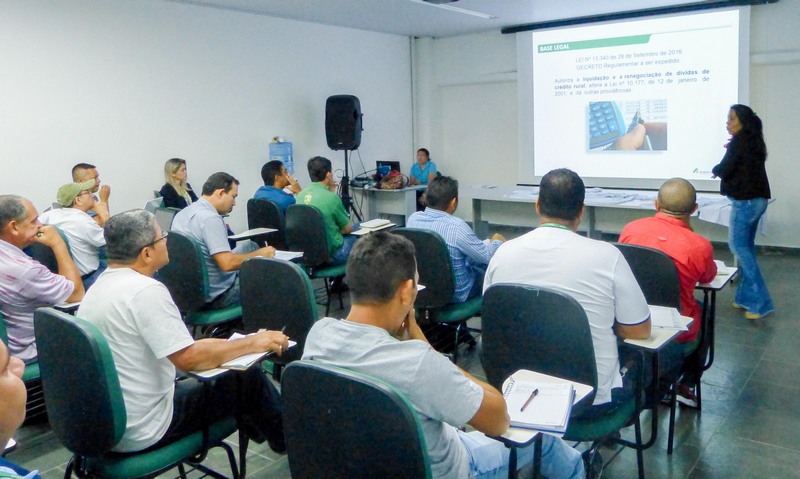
<point>659,336</point>
<point>400,190</point>
<point>721,280</point>
<point>523,436</point>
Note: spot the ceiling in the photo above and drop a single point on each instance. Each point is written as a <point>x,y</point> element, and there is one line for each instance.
<point>420,19</point>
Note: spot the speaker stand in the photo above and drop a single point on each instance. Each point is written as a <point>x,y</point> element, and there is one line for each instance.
<point>344,191</point>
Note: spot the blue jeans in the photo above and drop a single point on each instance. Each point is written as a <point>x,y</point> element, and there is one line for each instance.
<point>752,293</point>
<point>340,255</point>
<point>487,455</point>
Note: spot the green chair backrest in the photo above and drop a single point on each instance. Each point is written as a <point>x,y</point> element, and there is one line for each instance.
<point>287,302</point>
<point>3,330</point>
<point>525,327</point>
<point>305,231</point>
<point>80,383</point>
<point>434,265</point>
<point>186,275</point>
<point>340,423</point>
<point>656,274</point>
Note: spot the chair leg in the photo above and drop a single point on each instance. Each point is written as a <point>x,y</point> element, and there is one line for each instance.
<point>182,471</point>
<point>639,450</point>
<point>698,394</point>
<point>243,443</point>
<point>70,465</point>
<point>455,349</point>
<point>327,296</point>
<point>672,406</point>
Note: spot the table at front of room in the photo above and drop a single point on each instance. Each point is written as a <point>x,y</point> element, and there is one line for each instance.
<point>402,202</point>
<point>714,208</point>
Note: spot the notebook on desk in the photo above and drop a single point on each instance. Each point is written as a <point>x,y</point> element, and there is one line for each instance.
<point>539,405</point>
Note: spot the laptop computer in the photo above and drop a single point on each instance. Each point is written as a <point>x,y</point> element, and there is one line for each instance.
<point>384,167</point>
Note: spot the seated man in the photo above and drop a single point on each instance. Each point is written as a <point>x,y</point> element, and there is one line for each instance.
<point>469,255</point>
<point>25,283</point>
<point>380,337</point>
<point>276,178</point>
<point>320,194</point>
<point>149,340</point>
<point>670,231</point>
<point>12,409</point>
<point>593,272</point>
<point>202,220</point>
<point>83,172</point>
<point>84,234</point>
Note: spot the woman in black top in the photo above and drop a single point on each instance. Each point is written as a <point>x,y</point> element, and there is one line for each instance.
<point>745,183</point>
<point>177,193</point>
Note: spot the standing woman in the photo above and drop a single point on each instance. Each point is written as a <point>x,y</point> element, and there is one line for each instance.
<point>424,170</point>
<point>177,193</point>
<point>744,182</point>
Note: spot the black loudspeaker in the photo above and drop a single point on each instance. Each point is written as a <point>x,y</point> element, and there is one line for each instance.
<point>343,122</point>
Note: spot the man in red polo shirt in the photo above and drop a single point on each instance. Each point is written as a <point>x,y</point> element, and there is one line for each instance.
<point>671,232</point>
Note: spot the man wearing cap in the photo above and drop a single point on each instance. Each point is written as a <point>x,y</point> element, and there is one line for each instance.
<point>84,234</point>
<point>25,283</point>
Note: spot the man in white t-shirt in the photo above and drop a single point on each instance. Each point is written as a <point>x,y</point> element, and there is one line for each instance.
<point>149,340</point>
<point>593,272</point>
<point>85,235</point>
<point>380,337</point>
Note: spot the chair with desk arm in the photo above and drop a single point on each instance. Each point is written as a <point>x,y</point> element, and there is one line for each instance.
<point>305,231</point>
<point>89,421</point>
<point>186,278</point>
<point>340,423</point>
<point>277,294</point>
<point>526,327</point>
<point>658,279</point>
<point>266,214</point>
<point>435,269</point>
<point>34,405</point>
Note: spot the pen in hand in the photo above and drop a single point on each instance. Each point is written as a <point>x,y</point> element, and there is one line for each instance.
<point>527,403</point>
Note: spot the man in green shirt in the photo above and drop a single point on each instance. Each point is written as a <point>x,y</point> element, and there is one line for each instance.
<point>320,194</point>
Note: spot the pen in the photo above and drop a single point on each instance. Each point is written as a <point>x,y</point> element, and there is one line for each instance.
<point>533,395</point>
<point>283,328</point>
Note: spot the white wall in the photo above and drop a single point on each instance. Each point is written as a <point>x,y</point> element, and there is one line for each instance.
<point>126,85</point>
<point>472,98</point>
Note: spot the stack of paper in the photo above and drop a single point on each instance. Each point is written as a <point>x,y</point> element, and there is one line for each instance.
<point>241,363</point>
<point>373,225</point>
<point>663,317</point>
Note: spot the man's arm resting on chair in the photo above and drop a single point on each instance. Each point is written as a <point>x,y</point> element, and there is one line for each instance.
<point>209,353</point>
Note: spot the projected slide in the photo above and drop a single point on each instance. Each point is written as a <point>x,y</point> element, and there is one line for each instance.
<point>642,99</point>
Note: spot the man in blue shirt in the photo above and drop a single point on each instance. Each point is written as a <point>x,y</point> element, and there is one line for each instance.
<point>276,178</point>
<point>469,255</point>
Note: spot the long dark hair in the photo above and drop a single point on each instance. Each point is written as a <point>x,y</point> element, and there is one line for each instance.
<point>751,135</point>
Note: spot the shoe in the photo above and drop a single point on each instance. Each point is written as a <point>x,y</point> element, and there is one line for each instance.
<point>749,315</point>
<point>592,464</point>
<point>338,285</point>
<point>278,445</point>
<point>686,396</point>
<point>737,306</point>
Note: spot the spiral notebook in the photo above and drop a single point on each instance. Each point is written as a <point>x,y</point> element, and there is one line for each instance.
<point>539,405</point>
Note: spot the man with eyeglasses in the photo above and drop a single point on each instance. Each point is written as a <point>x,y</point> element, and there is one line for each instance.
<point>25,283</point>
<point>84,234</point>
<point>149,341</point>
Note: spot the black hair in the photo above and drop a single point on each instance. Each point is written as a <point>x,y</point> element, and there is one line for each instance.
<point>561,194</point>
<point>378,264</point>
<point>270,170</point>
<point>219,181</point>
<point>441,191</point>
<point>318,168</point>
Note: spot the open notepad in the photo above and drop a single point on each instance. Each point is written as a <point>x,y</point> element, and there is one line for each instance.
<point>538,405</point>
<point>241,363</point>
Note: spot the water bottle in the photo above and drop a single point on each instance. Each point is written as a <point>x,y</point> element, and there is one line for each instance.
<point>282,151</point>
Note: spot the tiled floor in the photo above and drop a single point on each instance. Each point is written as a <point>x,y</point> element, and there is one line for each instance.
<point>748,427</point>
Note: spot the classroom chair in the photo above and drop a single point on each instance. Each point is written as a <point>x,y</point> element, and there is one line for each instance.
<point>266,214</point>
<point>305,231</point>
<point>435,270</point>
<point>340,423</point>
<point>89,421</point>
<point>546,331</point>
<point>277,295</point>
